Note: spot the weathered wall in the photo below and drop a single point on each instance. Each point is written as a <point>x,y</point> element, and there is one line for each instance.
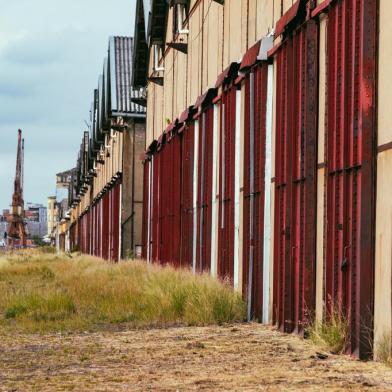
<point>218,35</point>
<point>383,316</point>
<point>132,189</point>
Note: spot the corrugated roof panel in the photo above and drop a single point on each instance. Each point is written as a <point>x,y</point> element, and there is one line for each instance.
<point>120,69</point>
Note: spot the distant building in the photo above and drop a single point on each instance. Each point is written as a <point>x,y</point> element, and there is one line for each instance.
<point>52,214</point>
<point>106,192</point>
<point>35,217</point>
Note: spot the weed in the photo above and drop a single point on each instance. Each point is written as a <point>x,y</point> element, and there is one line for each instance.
<point>15,310</point>
<point>383,350</point>
<point>332,333</point>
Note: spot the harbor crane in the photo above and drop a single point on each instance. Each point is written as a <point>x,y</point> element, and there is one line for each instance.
<point>16,226</point>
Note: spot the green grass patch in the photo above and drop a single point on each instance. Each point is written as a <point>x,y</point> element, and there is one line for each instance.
<point>43,292</point>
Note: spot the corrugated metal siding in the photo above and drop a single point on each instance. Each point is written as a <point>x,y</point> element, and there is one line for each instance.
<point>98,229</point>
<point>204,194</point>
<point>120,68</point>
<point>254,180</point>
<point>351,139</point>
<point>145,223</point>
<point>156,252</point>
<point>226,186</point>
<point>295,186</point>
<point>175,200</point>
<point>187,161</point>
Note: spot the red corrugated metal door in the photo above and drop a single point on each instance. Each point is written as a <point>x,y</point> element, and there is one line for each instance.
<point>226,186</point>
<point>105,239</point>
<point>175,200</point>
<point>295,185</point>
<point>164,197</point>
<point>146,180</point>
<point>156,207</point>
<point>116,206</point>
<point>254,180</point>
<point>187,159</point>
<point>350,158</point>
<point>204,193</point>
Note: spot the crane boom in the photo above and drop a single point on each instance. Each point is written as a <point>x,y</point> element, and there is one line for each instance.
<point>17,230</point>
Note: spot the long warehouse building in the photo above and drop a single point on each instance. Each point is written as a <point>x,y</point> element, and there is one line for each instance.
<point>268,147</point>
<point>105,218</point>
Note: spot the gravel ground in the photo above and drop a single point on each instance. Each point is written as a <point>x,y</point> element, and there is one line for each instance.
<point>246,357</point>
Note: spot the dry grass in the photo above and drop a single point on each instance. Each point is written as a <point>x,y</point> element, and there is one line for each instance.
<point>332,333</point>
<point>44,292</point>
<point>241,357</point>
<point>383,349</point>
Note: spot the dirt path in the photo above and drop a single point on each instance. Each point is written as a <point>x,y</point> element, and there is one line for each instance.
<point>234,358</point>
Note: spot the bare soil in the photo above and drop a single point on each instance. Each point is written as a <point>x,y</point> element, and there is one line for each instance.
<point>246,357</point>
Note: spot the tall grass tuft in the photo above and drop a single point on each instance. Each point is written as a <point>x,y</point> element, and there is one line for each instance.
<point>383,351</point>
<point>42,292</point>
<point>330,334</point>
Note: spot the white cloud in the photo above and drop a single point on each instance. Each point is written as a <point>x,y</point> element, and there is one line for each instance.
<point>49,68</point>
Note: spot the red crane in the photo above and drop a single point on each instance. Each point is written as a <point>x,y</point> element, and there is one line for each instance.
<point>16,228</point>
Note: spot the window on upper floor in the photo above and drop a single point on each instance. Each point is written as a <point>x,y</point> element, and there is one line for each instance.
<point>180,15</point>
<point>158,54</point>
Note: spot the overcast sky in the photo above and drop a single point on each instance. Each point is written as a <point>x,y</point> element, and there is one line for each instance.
<point>51,54</point>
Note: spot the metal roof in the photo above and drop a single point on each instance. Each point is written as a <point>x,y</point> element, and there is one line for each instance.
<point>120,79</point>
<point>140,48</point>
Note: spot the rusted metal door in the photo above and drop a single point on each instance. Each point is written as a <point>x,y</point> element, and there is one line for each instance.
<point>351,165</point>
<point>105,239</point>
<point>175,200</point>
<point>295,183</point>
<point>164,204</point>
<point>116,214</point>
<point>155,208</point>
<point>254,168</point>
<point>187,148</point>
<point>145,222</point>
<point>226,186</point>
<point>204,193</point>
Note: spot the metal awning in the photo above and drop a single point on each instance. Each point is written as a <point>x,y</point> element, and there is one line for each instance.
<point>229,74</point>
<point>292,13</point>
<point>250,57</point>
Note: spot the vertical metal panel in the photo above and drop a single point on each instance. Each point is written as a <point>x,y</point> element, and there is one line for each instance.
<point>164,211</point>
<point>187,163</point>
<point>203,262</point>
<point>267,198</point>
<point>116,216</point>
<point>146,180</point>
<point>254,182</point>
<point>195,190</point>
<point>295,186</point>
<point>175,223</point>
<point>105,239</point>
<point>227,182</point>
<point>155,209</point>
<point>214,203</point>
<point>351,139</point>
<point>237,168</point>
<point>150,207</point>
